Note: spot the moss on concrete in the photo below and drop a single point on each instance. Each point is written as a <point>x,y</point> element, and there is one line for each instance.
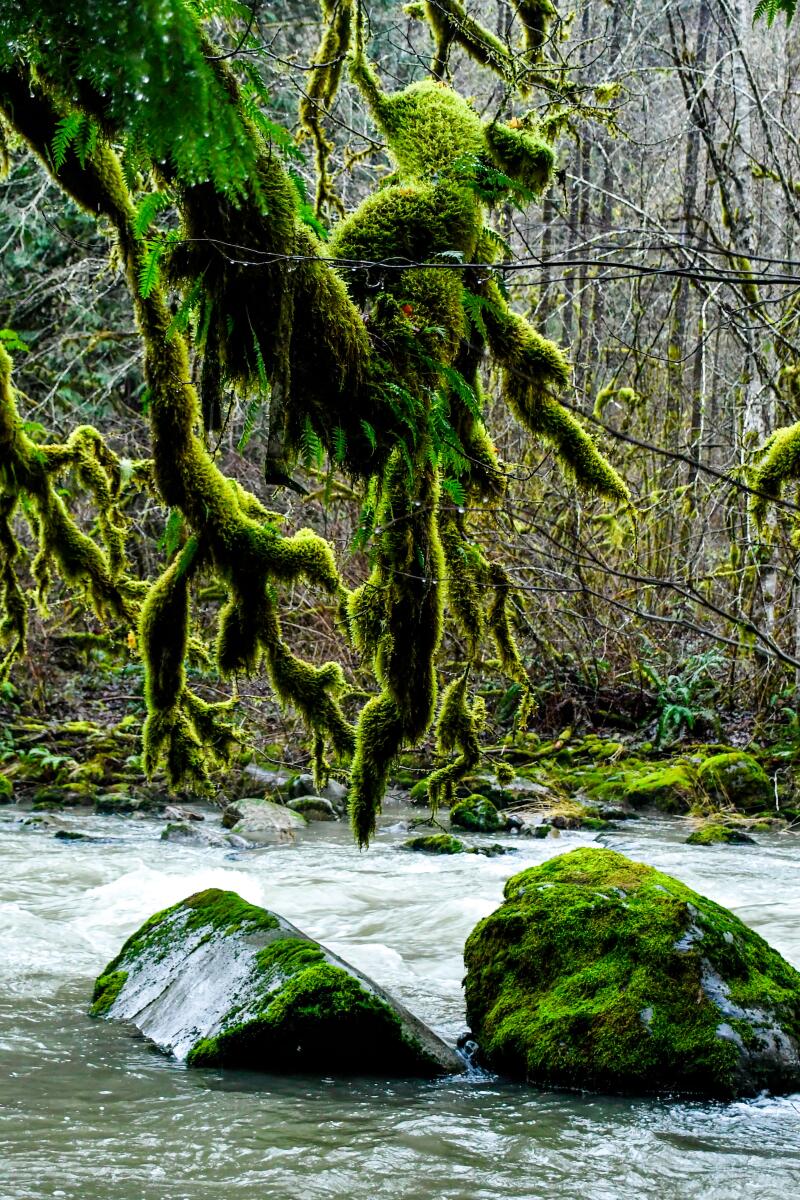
<point>601,973</point>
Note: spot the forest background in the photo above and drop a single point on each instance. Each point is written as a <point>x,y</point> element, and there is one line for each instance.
<point>662,258</point>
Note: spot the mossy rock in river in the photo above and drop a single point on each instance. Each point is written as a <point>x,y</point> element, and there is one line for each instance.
<point>736,779</point>
<point>435,843</point>
<point>223,983</point>
<point>603,974</point>
<point>477,814</point>
<point>670,788</point>
<point>714,834</point>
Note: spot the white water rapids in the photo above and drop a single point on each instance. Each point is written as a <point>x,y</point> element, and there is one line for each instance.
<point>89,1111</point>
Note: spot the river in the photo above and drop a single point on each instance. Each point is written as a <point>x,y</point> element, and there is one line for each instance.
<point>88,1110</point>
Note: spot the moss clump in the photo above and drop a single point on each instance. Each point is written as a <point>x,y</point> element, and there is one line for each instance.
<point>435,843</point>
<point>714,834</point>
<point>106,990</point>
<point>477,814</point>
<point>319,1019</point>
<point>736,779</point>
<point>601,973</point>
<point>671,788</point>
<point>6,790</point>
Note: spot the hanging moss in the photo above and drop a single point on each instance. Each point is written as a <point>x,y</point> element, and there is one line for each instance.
<point>779,465</point>
<point>458,728</point>
<point>381,372</point>
<point>323,85</point>
<point>32,469</point>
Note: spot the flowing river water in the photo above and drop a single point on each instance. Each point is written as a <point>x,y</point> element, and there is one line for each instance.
<point>87,1109</point>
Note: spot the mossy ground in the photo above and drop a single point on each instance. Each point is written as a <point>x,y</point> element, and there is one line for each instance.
<point>591,975</point>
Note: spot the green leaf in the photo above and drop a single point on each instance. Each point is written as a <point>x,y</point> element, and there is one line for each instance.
<point>12,341</point>
<point>455,491</point>
<point>171,537</point>
<point>253,409</point>
<point>771,8</point>
<point>339,445</point>
<point>149,270</point>
<point>311,448</point>
<point>67,129</point>
<point>146,211</point>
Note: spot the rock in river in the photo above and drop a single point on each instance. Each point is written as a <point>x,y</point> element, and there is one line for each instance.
<point>600,973</point>
<point>262,822</point>
<point>222,983</point>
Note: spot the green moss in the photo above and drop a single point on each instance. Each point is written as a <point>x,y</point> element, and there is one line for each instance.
<point>594,973</point>
<point>671,788</point>
<point>435,843</point>
<point>6,789</point>
<point>106,990</point>
<point>521,155</point>
<point>477,814</point>
<point>780,464</point>
<point>383,375</point>
<point>714,834</point>
<point>225,912</point>
<point>736,779</point>
<point>222,912</point>
<point>316,1017</point>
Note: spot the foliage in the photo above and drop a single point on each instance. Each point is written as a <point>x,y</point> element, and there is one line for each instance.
<point>685,697</point>
<point>387,384</point>
<point>771,8</point>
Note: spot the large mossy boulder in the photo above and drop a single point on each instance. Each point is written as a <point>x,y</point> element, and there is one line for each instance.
<point>222,983</point>
<point>671,788</point>
<point>476,814</point>
<point>735,779</point>
<point>603,974</point>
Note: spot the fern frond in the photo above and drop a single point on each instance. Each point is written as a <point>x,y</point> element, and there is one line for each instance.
<point>311,448</point>
<point>67,129</point>
<point>146,211</point>
<point>253,409</point>
<point>149,271</point>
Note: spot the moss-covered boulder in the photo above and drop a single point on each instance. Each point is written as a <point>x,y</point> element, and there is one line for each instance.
<point>670,788</point>
<point>6,790</point>
<point>737,780</point>
<point>477,814</point>
<point>600,973</point>
<point>222,983</point>
<point>435,843</point>
<point>314,808</point>
<point>714,834</point>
